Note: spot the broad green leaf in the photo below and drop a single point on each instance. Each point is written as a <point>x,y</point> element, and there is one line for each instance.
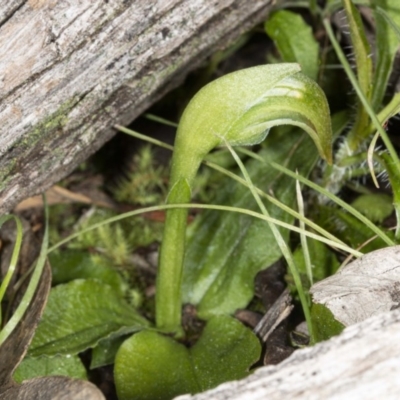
<point>104,353</point>
<point>395,26</point>
<point>155,367</point>
<point>295,41</point>
<point>349,229</point>
<point>324,322</point>
<point>225,351</point>
<point>387,44</point>
<point>65,365</point>
<point>78,315</point>
<point>224,250</point>
<point>375,206</point>
<point>151,366</point>
<point>75,264</point>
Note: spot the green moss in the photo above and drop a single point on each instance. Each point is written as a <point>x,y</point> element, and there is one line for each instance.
<point>53,122</point>
<point>143,182</point>
<point>375,206</point>
<point>5,173</point>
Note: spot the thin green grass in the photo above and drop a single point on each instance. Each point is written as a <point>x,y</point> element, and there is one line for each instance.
<point>237,178</point>
<point>32,286</point>
<point>14,257</point>
<point>286,252</point>
<point>254,214</point>
<point>303,238</point>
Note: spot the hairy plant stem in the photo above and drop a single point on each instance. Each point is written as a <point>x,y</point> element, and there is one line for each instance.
<point>395,162</point>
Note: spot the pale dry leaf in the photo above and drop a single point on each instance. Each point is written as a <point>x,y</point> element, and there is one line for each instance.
<point>16,345</point>
<point>60,195</point>
<point>54,195</point>
<point>53,388</point>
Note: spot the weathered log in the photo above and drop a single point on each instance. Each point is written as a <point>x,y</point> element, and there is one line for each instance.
<point>361,363</point>
<point>70,70</point>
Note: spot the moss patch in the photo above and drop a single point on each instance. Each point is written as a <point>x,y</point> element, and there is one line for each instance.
<point>53,122</point>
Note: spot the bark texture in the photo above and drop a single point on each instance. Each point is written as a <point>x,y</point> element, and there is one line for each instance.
<point>70,70</point>
<point>361,363</point>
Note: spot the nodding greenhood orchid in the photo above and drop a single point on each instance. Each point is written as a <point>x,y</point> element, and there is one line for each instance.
<point>238,108</point>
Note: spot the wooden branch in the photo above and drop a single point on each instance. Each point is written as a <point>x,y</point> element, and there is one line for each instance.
<point>72,69</point>
<point>361,363</point>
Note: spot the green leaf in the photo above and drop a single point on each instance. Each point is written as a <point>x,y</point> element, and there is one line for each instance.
<point>78,315</point>
<point>387,44</point>
<point>104,353</point>
<point>395,26</point>
<point>155,367</point>
<point>64,365</point>
<point>325,324</point>
<point>224,250</point>
<point>68,265</point>
<point>349,229</point>
<point>295,41</point>
<point>151,366</point>
<point>225,351</point>
<point>375,206</point>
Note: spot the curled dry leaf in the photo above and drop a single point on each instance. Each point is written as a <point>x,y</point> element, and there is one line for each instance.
<point>59,195</point>
<point>16,345</point>
<point>366,287</point>
<point>14,349</point>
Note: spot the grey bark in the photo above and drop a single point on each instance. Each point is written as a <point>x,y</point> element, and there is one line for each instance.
<point>70,70</point>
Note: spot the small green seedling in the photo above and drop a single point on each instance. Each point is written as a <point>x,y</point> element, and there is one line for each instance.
<point>237,109</point>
